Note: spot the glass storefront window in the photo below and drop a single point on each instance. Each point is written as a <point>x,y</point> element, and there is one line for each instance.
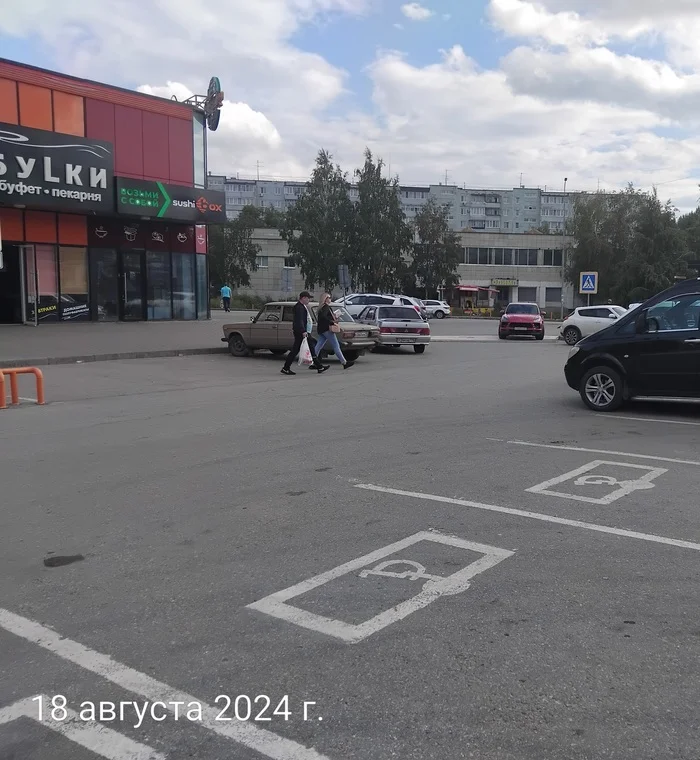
<point>73,278</point>
<point>159,285</point>
<point>183,286</point>
<point>105,284</point>
<point>199,152</point>
<point>48,283</point>
<point>202,287</point>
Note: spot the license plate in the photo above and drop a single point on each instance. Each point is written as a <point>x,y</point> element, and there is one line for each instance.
<point>360,334</point>
<point>520,328</point>
<point>405,340</point>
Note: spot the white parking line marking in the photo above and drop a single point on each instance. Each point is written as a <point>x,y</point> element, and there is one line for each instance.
<point>535,516</point>
<point>649,419</point>
<point>90,735</point>
<point>265,742</point>
<point>624,487</point>
<point>275,604</point>
<point>650,457</point>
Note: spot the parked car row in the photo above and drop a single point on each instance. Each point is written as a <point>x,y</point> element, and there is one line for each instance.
<point>355,303</point>
<point>392,325</point>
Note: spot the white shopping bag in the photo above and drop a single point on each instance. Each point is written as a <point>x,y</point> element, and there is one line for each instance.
<point>305,356</point>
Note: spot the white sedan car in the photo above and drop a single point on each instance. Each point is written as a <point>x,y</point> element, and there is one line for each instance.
<point>587,320</point>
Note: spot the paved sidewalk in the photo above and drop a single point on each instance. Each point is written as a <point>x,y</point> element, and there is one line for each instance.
<point>89,341</point>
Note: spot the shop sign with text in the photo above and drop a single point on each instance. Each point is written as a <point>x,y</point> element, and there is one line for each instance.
<point>504,282</point>
<point>172,202</point>
<point>53,171</point>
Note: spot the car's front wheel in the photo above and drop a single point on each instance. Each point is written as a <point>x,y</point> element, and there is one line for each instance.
<point>237,346</point>
<point>602,389</point>
<point>572,335</point>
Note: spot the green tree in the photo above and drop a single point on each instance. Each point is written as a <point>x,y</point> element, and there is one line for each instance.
<point>318,228</point>
<point>232,252</point>
<point>439,253</point>
<point>631,239</point>
<point>689,225</point>
<point>262,218</point>
<point>381,236</point>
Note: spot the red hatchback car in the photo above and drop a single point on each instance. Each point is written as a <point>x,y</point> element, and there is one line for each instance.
<point>521,319</point>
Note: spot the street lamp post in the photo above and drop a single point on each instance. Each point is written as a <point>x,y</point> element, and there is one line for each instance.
<point>563,252</point>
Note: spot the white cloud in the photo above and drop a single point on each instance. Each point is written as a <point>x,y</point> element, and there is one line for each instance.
<point>582,96</point>
<point>416,12</point>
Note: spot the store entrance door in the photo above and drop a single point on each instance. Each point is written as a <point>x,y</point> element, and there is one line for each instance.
<point>11,300</point>
<point>29,276</point>
<point>132,296</point>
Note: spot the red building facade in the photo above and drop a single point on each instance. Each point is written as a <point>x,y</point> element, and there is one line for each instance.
<point>103,206</point>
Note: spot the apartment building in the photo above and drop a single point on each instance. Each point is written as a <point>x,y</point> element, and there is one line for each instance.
<point>515,211</point>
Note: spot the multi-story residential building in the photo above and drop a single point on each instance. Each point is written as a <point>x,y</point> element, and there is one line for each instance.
<point>516,211</point>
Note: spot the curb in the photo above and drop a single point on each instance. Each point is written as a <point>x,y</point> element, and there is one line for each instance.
<point>52,360</point>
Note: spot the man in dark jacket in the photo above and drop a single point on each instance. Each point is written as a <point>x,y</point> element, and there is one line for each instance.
<point>301,328</point>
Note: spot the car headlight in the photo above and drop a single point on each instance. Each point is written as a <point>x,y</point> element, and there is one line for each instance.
<point>573,352</point>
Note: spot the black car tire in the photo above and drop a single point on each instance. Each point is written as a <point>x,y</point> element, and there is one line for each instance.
<point>440,314</point>
<point>278,351</point>
<point>237,346</point>
<point>501,335</point>
<point>602,389</point>
<point>419,349</point>
<point>352,355</point>
<point>572,335</point>
<point>540,337</point>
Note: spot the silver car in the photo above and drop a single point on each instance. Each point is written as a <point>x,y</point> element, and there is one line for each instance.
<point>398,326</point>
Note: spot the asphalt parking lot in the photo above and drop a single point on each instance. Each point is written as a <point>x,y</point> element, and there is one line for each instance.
<point>436,556</point>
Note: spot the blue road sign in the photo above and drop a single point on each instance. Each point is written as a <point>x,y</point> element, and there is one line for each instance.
<point>588,283</point>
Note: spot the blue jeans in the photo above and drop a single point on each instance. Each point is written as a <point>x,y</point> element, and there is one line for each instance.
<point>332,338</point>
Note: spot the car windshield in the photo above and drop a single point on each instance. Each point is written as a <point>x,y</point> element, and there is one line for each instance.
<point>522,308</point>
<point>399,312</point>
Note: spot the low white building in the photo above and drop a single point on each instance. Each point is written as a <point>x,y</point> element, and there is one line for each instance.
<point>496,268</point>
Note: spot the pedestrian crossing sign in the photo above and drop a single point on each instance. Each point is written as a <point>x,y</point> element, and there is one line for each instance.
<point>588,283</point>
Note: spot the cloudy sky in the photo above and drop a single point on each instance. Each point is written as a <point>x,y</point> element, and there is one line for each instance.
<point>603,92</point>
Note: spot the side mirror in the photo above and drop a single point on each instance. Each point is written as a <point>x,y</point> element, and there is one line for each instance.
<point>252,319</point>
<point>640,324</point>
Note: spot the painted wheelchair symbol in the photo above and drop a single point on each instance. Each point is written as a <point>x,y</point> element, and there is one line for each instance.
<point>416,573</point>
<point>607,480</point>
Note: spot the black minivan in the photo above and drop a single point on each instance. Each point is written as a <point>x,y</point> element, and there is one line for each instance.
<point>653,351</point>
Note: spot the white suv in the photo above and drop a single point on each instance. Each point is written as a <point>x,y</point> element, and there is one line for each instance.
<point>438,309</point>
<point>587,320</point>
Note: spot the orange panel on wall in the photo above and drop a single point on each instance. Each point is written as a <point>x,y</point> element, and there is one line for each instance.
<point>68,114</point>
<point>8,102</point>
<point>40,227</point>
<point>12,224</point>
<point>35,107</point>
<point>72,230</point>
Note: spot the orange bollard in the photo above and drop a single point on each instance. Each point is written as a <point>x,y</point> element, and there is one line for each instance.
<point>14,386</point>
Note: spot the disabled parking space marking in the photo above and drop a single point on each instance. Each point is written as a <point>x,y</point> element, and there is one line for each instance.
<point>622,532</point>
<point>267,743</point>
<point>434,586</point>
<point>91,735</point>
<point>584,477</point>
